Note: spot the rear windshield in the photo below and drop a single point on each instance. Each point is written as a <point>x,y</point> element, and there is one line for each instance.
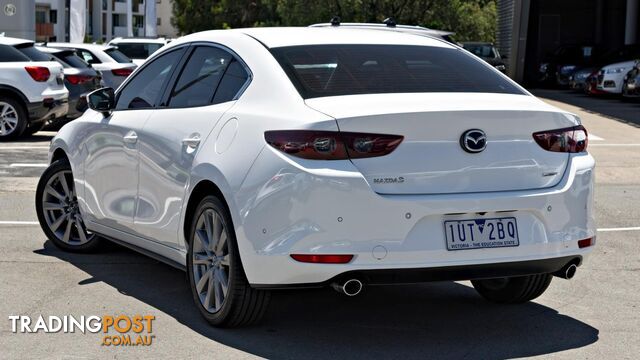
<point>33,53</point>
<point>11,54</point>
<point>331,70</point>
<point>138,50</point>
<point>118,56</point>
<point>73,60</point>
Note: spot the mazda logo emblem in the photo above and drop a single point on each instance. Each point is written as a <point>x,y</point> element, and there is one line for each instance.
<point>473,141</point>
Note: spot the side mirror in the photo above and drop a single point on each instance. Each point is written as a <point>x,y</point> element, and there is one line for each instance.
<point>102,100</point>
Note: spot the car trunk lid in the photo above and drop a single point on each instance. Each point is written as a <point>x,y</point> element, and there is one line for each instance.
<point>431,159</point>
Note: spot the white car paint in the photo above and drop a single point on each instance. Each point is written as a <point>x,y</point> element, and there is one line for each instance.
<point>282,204</point>
<point>614,74</point>
<point>105,65</point>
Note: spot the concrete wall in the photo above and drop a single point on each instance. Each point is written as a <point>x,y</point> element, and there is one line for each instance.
<point>22,23</point>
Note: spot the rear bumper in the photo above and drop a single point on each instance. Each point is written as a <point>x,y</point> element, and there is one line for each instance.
<point>47,109</point>
<point>444,273</point>
<point>331,209</point>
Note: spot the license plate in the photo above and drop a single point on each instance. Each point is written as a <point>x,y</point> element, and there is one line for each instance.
<point>631,86</point>
<point>481,233</point>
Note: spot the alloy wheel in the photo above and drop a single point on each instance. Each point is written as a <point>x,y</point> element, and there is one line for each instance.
<point>210,260</point>
<point>8,119</point>
<point>61,212</point>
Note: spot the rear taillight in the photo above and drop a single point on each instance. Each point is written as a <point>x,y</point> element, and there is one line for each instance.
<point>78,79</point>
<point>38,73</point>
<point>322,259</point>
<point>122,72</point>
<point>568,140</point>
<point>586,242</point>
<point>331,145</point>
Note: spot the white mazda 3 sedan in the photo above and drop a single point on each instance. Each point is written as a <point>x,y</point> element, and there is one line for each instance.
<point>267,158</point>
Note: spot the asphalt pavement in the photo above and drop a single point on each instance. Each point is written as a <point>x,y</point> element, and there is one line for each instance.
<point>596,315</point>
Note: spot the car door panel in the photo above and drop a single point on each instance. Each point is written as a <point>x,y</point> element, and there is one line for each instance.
<point>172,137</point>
<point>112,162</point>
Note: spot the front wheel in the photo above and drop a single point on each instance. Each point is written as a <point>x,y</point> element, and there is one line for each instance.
<point>513,290</point>
<point>58,211</point>
<point>218,283</point>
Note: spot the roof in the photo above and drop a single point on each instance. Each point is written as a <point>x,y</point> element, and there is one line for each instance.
<point>292,36</point>
<point>137,40</point>
<point>399,28</point>
<point>5,40</point>
<point>95,47</point>
<point>476,43</point>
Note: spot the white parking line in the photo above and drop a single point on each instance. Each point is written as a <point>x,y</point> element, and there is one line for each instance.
<point>29,165</point>
<point>595,137</point>
<point>635,228</point>
<point>590,145</point>
<point>23,148</point>
<point>19,223</point>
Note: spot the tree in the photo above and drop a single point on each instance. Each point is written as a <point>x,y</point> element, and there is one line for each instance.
<point>469,19</point>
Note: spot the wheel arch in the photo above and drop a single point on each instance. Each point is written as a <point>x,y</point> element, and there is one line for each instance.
<point>58,154</point>
<point>12,92</point>
<point>200,190</point>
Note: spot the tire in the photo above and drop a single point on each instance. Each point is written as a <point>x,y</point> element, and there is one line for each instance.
<point>241,305</point>
<point>513,290</point>
<point>58,211</point>
<point>13,118</point>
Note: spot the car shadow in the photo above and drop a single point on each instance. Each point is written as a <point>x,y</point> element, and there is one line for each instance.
<point>436,320</point>
<point>607,105</point>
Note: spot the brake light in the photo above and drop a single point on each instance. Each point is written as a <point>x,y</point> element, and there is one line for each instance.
<point>332,145</point>
<point>322,259</point>
<point>38,73</point>
<point>122,72</point>
<point>568,140</point>
<point>78,79</point>
<point>585,243</point>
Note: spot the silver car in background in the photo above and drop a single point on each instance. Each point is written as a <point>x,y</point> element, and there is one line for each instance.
<point>114,66</point>
<point>79,78</point>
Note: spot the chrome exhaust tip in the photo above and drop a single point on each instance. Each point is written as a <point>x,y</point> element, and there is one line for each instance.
<point>351,287</point>
<point>567,272</point>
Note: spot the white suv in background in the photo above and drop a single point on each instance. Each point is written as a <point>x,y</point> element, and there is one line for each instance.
<point>138,49</point>
<point>113,65</point>
<point>32,88</point>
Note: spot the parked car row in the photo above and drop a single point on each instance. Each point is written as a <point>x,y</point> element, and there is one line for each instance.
<point>587,68</point>
<point>45,83</point>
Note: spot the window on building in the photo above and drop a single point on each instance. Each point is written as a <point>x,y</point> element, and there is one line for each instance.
<point>53,16</point>
<point>41,17</point>
<point>158,21</point>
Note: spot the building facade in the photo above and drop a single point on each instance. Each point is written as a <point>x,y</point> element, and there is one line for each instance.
<point>48,20</point>
<point>164,13</point>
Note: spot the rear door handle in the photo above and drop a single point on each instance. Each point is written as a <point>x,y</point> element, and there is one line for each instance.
<point>192,141</point>
<point>131,137</point>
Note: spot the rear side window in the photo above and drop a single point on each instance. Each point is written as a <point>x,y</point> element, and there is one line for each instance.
<point>199,79</point>
<point>11,54</point>
<point>116,55</point>
<point>88,56</point>
<point>72,59</point>
<point>332,70</point>
<point>232,82</point>
<point>143,91</point>
<point>138,50</point>
<point>33,53</point>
